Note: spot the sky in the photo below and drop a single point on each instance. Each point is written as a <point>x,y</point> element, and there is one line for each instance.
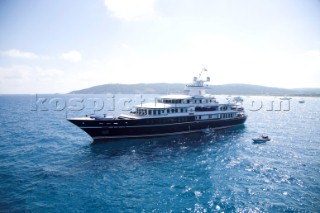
<point>59,46</point>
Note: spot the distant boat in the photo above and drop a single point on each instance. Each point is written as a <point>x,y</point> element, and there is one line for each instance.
<point>285,98</point>
<point>261,139</point>
<point>301,101</point>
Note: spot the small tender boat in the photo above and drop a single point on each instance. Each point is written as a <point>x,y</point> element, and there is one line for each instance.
<point>285,98</point>
<point>301,101</point>
<point>261,139</point>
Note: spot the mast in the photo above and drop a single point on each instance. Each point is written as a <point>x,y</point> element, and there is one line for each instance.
<point>197,88</point>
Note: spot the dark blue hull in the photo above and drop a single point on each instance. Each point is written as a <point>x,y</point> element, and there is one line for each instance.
<point>119,129</point>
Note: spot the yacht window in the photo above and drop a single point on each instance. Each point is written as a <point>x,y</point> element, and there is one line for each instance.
<point>188,101</point>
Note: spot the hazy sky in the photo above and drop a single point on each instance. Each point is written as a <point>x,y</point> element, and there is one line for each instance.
<point>57,46</point>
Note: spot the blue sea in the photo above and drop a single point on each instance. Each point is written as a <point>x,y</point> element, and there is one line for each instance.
<point>49,165</point>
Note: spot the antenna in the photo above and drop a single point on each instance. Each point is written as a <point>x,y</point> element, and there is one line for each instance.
<point>203,69</point>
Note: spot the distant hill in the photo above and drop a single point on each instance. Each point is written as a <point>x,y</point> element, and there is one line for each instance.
<point>157,88</point>
<point>166,88</point>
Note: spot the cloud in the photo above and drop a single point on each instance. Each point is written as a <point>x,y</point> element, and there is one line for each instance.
<point>31,79</point>
<point>26,73</point>
<point>227,61</point>
<point>232,61</point>
<point>73,56</point>
<point>131,9</point>
<point>14,53</point>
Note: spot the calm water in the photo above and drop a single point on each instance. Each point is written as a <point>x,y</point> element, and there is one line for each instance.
<point>49,165</point>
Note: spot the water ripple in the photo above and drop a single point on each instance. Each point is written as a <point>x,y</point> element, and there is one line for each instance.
<point>49,165</point>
